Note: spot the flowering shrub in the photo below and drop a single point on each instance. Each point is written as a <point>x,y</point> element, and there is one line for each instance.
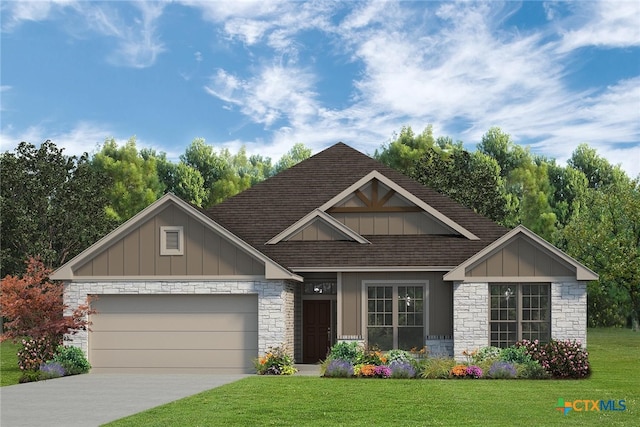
<point>52,370</point>
<point>502,369</point>
<point>339,368</point>
<point>365,370</point>
<point>372,357</point>
<point>35,352</point>
<point>459,371</point>
<point>276,362</point>
<point>399,355</point>
<point>382,371</point>
<point>402,369</point>
<point>486,353</point>
<point>561,359</point>
<point>474,371</point>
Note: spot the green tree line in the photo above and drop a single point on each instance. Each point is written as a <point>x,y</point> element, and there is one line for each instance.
<point>589,208</point>
<point>53,206</point>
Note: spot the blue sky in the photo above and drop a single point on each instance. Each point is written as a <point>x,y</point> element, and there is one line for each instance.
<point>270,74</point>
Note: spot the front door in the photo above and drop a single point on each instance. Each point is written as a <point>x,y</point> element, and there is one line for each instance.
<point>316,325</point>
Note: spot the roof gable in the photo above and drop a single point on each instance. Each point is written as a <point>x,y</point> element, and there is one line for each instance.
<point>279,205</point>
<point>314,218</point>
<point>255,262</point>
<point>520,255</point>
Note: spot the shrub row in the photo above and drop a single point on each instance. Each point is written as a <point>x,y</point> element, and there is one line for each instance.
<point>526,359</point>
<point>39,360</point>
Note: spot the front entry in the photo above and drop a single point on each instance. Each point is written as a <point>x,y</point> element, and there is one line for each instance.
<point>316,325</point>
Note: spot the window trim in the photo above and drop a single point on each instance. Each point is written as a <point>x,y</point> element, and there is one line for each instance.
<point>164,230</point>
<point>395,283</point>
<point>519,309</point>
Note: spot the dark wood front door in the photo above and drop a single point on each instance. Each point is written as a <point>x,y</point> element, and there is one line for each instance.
<point>316,332</point>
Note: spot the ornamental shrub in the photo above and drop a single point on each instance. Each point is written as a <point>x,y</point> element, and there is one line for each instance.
<point>515,354</point>
<point>372,357</point>
<point>382,371</point>
<point>437,367</point>
<point>402,369</point>
<point>52,369</point>
<point>459,371</point>
<point>350,351</point>
<point>474,371</point>
<point>34,352</point>
<point>486,353</point>
<point>277,361</point>
<point>364,370</point>
<point>399,355</point>
<point>337,368</point>
<point>502,370</point>
<point>72,359</point>
<point>531,370</point>
<point>560,359</point>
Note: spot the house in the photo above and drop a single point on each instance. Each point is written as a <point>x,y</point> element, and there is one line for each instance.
<point>337,248</point>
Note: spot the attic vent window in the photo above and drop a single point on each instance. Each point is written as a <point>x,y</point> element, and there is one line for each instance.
<point>171,240</point>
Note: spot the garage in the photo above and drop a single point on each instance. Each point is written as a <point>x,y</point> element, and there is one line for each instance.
<point>174,333</point>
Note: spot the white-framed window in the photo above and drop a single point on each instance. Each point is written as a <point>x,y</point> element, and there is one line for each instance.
<point>395,314</point>
<point>519,311</point>
<point>171,240</point>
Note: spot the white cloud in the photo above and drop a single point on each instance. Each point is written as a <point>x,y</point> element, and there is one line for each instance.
<point>605,24</point>
<point>14,13</point>
<point>275,93</point>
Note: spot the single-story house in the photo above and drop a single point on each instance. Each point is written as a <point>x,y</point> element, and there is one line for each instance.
<point>336,248</point>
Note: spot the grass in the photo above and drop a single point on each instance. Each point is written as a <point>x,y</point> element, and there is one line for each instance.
<point>261,400</point>
<point>9,371</point>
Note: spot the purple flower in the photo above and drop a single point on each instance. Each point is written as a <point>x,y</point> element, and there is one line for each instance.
<point>382,371</point>
<point>474,371</point>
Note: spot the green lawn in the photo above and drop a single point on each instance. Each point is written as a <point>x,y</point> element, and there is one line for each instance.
<point>282,401</point>
<point>9,371</point>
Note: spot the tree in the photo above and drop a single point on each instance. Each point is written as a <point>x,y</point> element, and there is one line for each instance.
<point>291,158</point>
<point>403,153</point>
<point>180,179</point>
<point>529,183</point>
<point>508,154</point>
<point>471,179</point>
<point>34,308</point>
<point>134,179</point>
<point>599,172</point>
<point>51,205</point>
<point>605,235</point>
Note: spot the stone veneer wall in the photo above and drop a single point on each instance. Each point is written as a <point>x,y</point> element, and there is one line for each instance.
<point>275,303</point>
<point>439,347</point>
<point>470,317</point>
<point>569,311</point>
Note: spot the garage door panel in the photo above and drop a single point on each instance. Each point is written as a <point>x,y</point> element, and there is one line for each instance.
<point>174,333</point>
<point>175,303</point>
<point>174,322</point>
<point>160,340</point>
<point>113,359</point>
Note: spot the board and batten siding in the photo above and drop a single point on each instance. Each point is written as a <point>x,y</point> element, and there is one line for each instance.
<point>392,223</point>
<point>206,253</point>
<point>440,309</point>
<point>520,259</point>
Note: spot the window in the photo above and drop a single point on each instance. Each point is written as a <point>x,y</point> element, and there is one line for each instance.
<point>519,311</point>
<point>395,316</point>
<point>171,240</point>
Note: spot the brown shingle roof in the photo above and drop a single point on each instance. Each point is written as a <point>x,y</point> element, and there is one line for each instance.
<point>261,212</point>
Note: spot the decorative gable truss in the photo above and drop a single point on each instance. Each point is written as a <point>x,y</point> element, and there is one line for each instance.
<point>373,205</point>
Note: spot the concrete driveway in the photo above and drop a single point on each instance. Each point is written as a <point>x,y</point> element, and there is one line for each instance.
<point>95,399</point>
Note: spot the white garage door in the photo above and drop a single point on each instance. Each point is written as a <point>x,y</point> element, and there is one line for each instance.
<point>174,333</point>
